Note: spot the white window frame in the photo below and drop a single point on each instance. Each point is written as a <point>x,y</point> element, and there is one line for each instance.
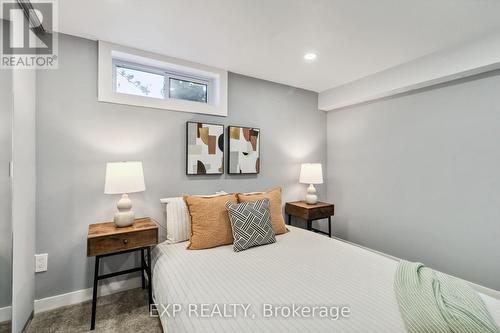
<point>111,55</point>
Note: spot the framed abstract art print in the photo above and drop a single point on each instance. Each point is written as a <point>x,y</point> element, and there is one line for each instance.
<point>244,150</point>
<point>205,149</point>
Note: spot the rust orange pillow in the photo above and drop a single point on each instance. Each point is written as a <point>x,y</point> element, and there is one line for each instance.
<point>210,225</point>
<point>275,207</point>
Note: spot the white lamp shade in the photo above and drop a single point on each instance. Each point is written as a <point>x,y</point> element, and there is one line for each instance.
<point>311,173</point>
<point>124,177</point>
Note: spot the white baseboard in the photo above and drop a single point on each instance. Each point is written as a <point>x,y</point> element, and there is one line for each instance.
<point>83,295</point>
<point>5,313</point>
<point>485,290</point>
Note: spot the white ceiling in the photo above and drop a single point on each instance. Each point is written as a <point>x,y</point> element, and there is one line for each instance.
<point>268,38</point>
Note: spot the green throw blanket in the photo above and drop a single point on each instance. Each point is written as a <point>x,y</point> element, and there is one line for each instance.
<point>434,302</point>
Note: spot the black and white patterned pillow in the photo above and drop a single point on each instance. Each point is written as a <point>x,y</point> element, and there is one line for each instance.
<point>251,224</point>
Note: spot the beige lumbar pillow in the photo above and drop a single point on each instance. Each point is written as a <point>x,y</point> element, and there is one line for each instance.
<point>210,225</point>
<point>274,197</point>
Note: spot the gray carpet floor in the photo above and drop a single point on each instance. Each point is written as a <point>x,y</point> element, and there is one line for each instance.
<point>127,311</point>
<point>5,327</point>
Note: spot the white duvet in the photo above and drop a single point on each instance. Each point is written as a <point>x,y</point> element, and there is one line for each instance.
<point>264,288</point>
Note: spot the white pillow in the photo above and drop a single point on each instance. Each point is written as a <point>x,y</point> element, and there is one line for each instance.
<point>177,223</point>
<point>176,226</point>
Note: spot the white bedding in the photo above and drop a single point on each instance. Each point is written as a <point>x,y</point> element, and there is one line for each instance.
<point>301,268</point>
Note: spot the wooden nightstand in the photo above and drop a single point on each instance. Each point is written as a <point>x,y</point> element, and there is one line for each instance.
<point>317,211</point>
<point>105,239</point>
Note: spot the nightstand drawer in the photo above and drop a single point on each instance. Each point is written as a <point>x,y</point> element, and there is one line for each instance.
<point>309,212</point>
<point>121,242</point>
<point>320,212</point>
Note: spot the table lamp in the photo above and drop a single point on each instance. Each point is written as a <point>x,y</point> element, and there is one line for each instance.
<point>123,178</point>
<point>311,173</point>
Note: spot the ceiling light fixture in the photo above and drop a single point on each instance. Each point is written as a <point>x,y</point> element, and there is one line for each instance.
<point>310,56</point>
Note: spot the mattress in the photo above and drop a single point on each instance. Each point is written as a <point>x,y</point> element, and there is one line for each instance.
<point>302,270</point>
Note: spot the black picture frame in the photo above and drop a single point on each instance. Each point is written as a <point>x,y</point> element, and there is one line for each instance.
<point>259,137</point>
<point>220,140</point>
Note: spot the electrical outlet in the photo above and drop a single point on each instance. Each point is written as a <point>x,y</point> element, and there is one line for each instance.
<point>41,262</point>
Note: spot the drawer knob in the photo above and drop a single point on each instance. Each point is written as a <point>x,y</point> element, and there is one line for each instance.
<point>125,241</point>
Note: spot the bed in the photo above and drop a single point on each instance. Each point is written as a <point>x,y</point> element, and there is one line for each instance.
<point>301,268</point>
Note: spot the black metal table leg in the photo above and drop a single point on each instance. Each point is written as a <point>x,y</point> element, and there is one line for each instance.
<point>309,225</point>
<point>143,271</point>
<point>150,282</point>
<point>329,226</point>
<point>144,268</point>
<point>94,292</point>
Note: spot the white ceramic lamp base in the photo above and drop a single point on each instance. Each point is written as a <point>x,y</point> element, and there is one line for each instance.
<point>311,197</point>
<point>125,216</point>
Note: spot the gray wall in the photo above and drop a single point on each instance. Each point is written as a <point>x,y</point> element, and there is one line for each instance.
<point>23,196</point>
<point>5,195</point>
<point>76,136</point>
<point>418,177</point>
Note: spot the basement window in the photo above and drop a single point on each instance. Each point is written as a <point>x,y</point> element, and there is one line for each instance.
<point>133,77</point>
<point>131,80</point>
<point>188,89</point>
<point>141,80</point>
